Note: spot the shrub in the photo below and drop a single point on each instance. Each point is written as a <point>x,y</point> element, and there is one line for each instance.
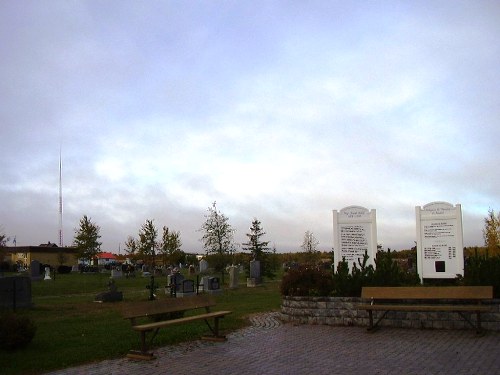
<point>483,270</point>
<point>64,269</point>
<point>16,332</point>
<point>307,281</point>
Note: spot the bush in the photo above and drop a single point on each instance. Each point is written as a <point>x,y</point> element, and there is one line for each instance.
<point>64,269</point>
<point>16,332</point>
<point>307,281</point>
<point>483,270</point>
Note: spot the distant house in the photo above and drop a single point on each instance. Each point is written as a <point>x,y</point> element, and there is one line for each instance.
<point>105,258</point>
<point>48,253</point>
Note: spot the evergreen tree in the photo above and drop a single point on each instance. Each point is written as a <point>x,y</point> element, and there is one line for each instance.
<point>259,249</point>
<point>255,246</point>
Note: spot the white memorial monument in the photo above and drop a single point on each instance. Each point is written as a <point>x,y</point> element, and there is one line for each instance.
<point>440,252</point>
<point>354,233</point>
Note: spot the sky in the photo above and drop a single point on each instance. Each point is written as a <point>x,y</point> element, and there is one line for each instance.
<point>277,110</point>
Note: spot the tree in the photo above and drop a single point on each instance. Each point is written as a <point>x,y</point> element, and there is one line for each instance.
<point>131,246</point>
<point>310,243</point>
<point>147,244</point>
<point>87,239</point>
<point>255,246</point>
<point>3,242</point>
<point>491,232</point>
<point>259,249</point>
<point>217,237</point>
<point>170,246</point>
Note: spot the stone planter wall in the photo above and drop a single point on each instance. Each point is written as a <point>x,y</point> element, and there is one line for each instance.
<point>342,311</point>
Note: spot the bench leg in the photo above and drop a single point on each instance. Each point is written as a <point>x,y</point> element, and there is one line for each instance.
<point>143,353</point>
<point>372,327</point>
<point>370,317</point>
<point>477,326</point>
<point>215,331</point>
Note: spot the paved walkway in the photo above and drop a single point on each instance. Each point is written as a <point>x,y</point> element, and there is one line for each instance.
<point>269,347</point>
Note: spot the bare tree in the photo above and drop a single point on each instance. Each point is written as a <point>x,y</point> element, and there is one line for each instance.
<point>310,243</point>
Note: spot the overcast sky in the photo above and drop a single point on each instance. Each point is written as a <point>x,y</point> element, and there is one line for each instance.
<point>278,110</point>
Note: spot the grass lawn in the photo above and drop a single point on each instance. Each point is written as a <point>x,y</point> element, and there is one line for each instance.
<point>72,329</point>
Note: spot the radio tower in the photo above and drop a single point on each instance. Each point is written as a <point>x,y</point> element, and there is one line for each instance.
<point>60,202</point>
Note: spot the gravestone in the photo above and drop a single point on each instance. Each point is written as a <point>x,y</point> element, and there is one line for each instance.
<point>203,266</point>
<point>47,274</point>
<point>116,273</point>
<point>15,292</point>
<point>355,233</point>
<point>112,295</point>
<point>204,283</point>
<point>255,278</point>
<point>35,270</point>
<point>213,285</point>
<point>174,283</point>
<point>186,288</point>
<point>233,277</point>
<point>439,241</point>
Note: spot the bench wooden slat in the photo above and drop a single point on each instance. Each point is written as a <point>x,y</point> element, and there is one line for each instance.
<point>150,308</point>
<point>430,292</point>
<point>166,323</point>
<point>412,307</point>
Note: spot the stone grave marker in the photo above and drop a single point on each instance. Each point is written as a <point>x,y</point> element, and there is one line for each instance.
<point>186,288</point>
<point>35,270</point>
<point>203,266</point>
<point>255,277</point>
<point>47,274</point>
<point>112,295</point>
<point>214,286</point>
<point>15,292</point>
<point>116,273</point>
<point>233,277</point>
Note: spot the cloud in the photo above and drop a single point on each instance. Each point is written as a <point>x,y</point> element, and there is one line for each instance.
<point>275,110</point>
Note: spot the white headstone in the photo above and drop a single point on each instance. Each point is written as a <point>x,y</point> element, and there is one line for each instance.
<point>203,265</point>
<point>354,233</point>
<point>439,241</point>
<point>233,277</point>
<point>47,274</point>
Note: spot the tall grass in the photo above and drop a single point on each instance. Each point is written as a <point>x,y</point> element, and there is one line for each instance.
<point>72,329</point>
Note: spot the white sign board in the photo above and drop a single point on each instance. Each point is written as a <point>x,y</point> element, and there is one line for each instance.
<point>440,252</point>
<point>354,233</point>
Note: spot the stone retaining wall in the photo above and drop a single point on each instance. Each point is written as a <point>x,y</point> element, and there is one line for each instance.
<point>343,311</point>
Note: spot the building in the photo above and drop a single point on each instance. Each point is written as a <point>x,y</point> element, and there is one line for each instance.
<point>48,253</point>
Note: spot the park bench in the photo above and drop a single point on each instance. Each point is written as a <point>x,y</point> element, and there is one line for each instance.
<point>458,299</point>
<point>166,313</point>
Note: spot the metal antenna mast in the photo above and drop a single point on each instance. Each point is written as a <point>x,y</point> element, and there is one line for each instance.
<point>60,201</point>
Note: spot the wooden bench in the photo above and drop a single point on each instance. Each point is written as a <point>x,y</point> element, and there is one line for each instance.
<point>162,311</point>
<point>459,299</point>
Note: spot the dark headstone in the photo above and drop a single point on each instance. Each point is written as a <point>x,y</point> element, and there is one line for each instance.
<point>15,292</point>
<point>188,286</point>
<point>35,270</point>
<point>112,295</point>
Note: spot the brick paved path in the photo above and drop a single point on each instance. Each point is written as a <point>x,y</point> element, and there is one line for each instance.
<point>268,347</point>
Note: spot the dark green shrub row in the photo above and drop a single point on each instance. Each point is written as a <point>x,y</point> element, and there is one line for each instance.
<point>483,270</point>
<point>16,331</point>
<point>307,281</point>
<point>310,281</point>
